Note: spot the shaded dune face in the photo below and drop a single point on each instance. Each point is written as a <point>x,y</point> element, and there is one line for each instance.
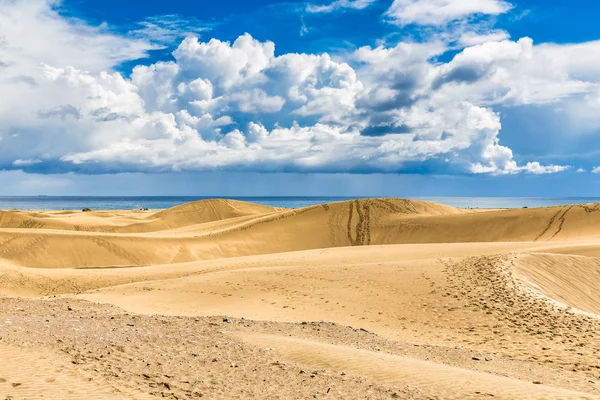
<point>212,229</point>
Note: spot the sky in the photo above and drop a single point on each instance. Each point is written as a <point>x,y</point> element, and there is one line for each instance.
<point>320,97</point>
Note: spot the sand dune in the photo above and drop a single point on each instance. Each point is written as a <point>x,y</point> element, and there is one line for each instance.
<point>213,229</point>
<point>133,221</point>
<point>374,298</point>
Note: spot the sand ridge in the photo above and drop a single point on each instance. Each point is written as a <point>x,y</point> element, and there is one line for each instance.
<point>373,298</point>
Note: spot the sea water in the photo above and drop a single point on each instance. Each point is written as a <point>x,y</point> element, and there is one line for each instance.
<point>161,202</point>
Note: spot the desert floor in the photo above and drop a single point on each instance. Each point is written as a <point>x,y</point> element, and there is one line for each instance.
<point>368,299</point>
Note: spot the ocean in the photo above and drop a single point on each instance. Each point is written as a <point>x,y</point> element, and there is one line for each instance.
<point>161,202</point>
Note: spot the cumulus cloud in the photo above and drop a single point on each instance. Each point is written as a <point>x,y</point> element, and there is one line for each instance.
<point>440,12</point>
<point>519,72</point>
<point>240,106</point>
<point>596,170</point>
<point>339,4</point>
<point>257,101</point>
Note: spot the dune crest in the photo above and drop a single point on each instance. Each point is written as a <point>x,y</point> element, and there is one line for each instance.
<point>204,211</point>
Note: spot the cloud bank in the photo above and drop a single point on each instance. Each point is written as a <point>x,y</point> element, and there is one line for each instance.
<point>238,106</point>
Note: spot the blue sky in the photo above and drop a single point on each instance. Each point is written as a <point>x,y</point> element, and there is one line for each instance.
<point>324,97</point>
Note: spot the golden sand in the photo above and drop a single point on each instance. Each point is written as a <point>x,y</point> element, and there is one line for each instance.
<point>374,298</point>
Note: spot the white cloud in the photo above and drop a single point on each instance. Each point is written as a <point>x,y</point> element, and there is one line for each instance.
<point>511,168</point>
<point>222,105</point>
<point>33,31</point>
<point>339,4</point>
<point>538,169</point>
<point>440,12</point>
<point>580,170</point>
<point>165,29</point>
<point>257,101</point>
<point>471,38</point>
<point>509,72</point>
<point>303,28</point>
<point>24,163</point>
<point>224,64</point>
<point>596,170</point>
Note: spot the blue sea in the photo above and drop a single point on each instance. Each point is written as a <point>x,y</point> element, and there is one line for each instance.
<point>158,202</point>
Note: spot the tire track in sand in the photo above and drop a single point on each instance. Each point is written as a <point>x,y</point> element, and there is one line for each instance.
<point>547,228</point>
<point>562,222</point>
<point>363,225</point>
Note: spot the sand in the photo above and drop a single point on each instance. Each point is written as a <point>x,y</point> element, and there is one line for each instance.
<point>372,299</point>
